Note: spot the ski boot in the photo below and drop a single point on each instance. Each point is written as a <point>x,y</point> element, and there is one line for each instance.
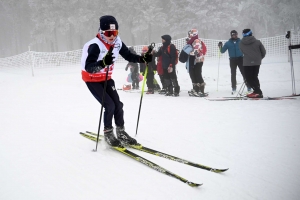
<point>194,93</point>
<point>202,86</point>
<point>150,91</point>
<point>200,94</point>
<point>233,91</point>
<point>124,137</point>
<point>162,91</point>
<point>110,137</point>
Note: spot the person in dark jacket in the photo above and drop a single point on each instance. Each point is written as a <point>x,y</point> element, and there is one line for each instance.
<point>134,69</point>
<point>235,58</point>
<point>168,64</point>
<point>254,51</point>
<point>97,65</point>
<point>150,72</point>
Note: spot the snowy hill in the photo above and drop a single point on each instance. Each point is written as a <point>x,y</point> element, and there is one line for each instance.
<point>42,155</point>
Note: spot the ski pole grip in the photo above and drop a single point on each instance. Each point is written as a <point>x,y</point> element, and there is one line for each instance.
<point>150,47</point>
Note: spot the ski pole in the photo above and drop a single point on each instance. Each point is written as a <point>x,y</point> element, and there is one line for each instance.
<point>150,48</point>
<point>103,99</point>
<point>288,36</point>
<point>241,90</point>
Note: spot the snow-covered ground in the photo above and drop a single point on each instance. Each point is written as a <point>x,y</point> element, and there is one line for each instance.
<point>42,155</point>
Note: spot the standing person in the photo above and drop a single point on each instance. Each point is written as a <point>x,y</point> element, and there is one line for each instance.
<point>168,56</point>
<point>254,51</point>
<point>150,73</point>
<point>94,64</point>
<point>134,69</point>
<point>235,58</point>
<point>195,62</point>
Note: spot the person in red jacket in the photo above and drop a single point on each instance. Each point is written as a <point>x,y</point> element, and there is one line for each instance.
<point>195,63</point>
<point>96,59</point>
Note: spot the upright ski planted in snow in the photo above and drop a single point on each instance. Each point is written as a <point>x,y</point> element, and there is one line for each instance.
<point>146,162</point>
<point>170,157</point>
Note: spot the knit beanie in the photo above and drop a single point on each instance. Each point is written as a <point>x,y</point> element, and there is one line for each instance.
<point>108,22</point>
<point>247,32</point>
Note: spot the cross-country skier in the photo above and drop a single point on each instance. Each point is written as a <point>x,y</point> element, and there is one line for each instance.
<point>94,61</point>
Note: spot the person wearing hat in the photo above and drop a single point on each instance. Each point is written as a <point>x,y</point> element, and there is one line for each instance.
<point>96,59</point>
<point>195,62</point>
<point>168,57</point>
<point>235,58</point>
<point>254,51</point>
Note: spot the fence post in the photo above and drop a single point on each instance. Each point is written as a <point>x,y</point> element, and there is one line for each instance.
<point>32,61</point>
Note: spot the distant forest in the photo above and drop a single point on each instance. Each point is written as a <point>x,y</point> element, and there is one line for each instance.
<point>64,25</point>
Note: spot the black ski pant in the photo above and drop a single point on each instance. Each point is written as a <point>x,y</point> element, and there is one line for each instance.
<point>112,104</point>
<point>234,63</point>
<point>171,81</point>
<point>150,77</point>
<point>251,74</point>
<point>162,80</point>
<point>135,79</point>
<point>195,72</point>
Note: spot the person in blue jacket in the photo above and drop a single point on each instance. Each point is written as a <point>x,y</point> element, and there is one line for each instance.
<point>235,58</point>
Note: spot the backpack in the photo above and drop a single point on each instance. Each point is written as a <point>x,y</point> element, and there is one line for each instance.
<point>177,52</point>
<point>183,57</point>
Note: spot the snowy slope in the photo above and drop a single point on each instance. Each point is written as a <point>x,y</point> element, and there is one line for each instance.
<point>42,156</point>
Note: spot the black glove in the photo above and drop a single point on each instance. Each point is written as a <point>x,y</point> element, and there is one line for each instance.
<point>108,59</point>
<point>147,57</point>
<point>220,45</point>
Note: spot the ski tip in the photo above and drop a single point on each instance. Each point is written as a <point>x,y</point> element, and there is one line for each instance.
<point>194,184</point>
<point>219,170</point>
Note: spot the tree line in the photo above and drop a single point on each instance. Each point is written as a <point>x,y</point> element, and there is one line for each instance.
<point>55,25</point>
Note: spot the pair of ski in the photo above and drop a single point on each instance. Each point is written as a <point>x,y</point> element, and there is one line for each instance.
<point>93,136</point>
<point>247,98</point>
